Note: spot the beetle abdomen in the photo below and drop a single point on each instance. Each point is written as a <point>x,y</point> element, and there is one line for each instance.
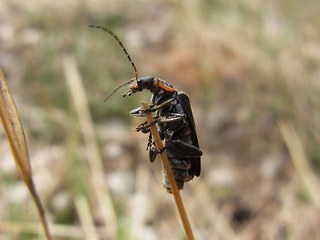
<point>181,152</point>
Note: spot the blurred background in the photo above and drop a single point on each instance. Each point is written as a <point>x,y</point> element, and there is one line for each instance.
<point>252,72</point>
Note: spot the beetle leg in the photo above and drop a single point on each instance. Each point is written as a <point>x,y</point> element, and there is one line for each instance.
<point>182,149</point>
<point>154,108</point>
<point>145,127</point>
<point>141,126</point>
<point>172,117</point>
<point>177,122</point>
<point>153,152</point>
<point>140,112</point>
<point>150,143</point>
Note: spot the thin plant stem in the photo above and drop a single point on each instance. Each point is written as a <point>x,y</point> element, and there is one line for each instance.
<point>300,161</point>
<point>13,128</point>
<point>86,218</point>
<point>171,179</point>
<point>100,188</point>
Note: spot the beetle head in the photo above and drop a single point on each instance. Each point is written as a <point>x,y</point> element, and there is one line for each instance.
<point>144,83</point>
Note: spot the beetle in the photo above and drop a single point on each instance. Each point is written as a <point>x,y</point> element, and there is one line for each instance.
<point>175,123</point>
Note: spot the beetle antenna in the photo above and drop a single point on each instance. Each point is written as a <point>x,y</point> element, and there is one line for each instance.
<point>123,48</point>
<point>118,89</point>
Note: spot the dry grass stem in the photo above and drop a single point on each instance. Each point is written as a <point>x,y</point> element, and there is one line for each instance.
<point>139,214</point>
<point>58,230</point>
<point>220,227</point>
<point>15,135</point>
<point>80,101</point>
<point>86,218</point>
<point>300,161</point>
<point>171,179</point>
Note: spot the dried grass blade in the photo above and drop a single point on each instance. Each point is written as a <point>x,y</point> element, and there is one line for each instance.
<point>300,161</point>
<point>86,218</point>
<point>80,100</point>
<point>15,135</point>
<point>13,129</point>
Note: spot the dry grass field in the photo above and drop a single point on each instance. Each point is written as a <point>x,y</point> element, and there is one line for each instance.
<point>252,72</point>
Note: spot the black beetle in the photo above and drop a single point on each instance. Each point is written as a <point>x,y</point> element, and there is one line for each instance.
<point>174,119</point>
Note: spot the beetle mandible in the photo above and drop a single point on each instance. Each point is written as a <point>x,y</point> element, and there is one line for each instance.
<point>175,122</point>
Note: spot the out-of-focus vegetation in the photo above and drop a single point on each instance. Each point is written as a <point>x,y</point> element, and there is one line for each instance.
<point>252,71</point>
